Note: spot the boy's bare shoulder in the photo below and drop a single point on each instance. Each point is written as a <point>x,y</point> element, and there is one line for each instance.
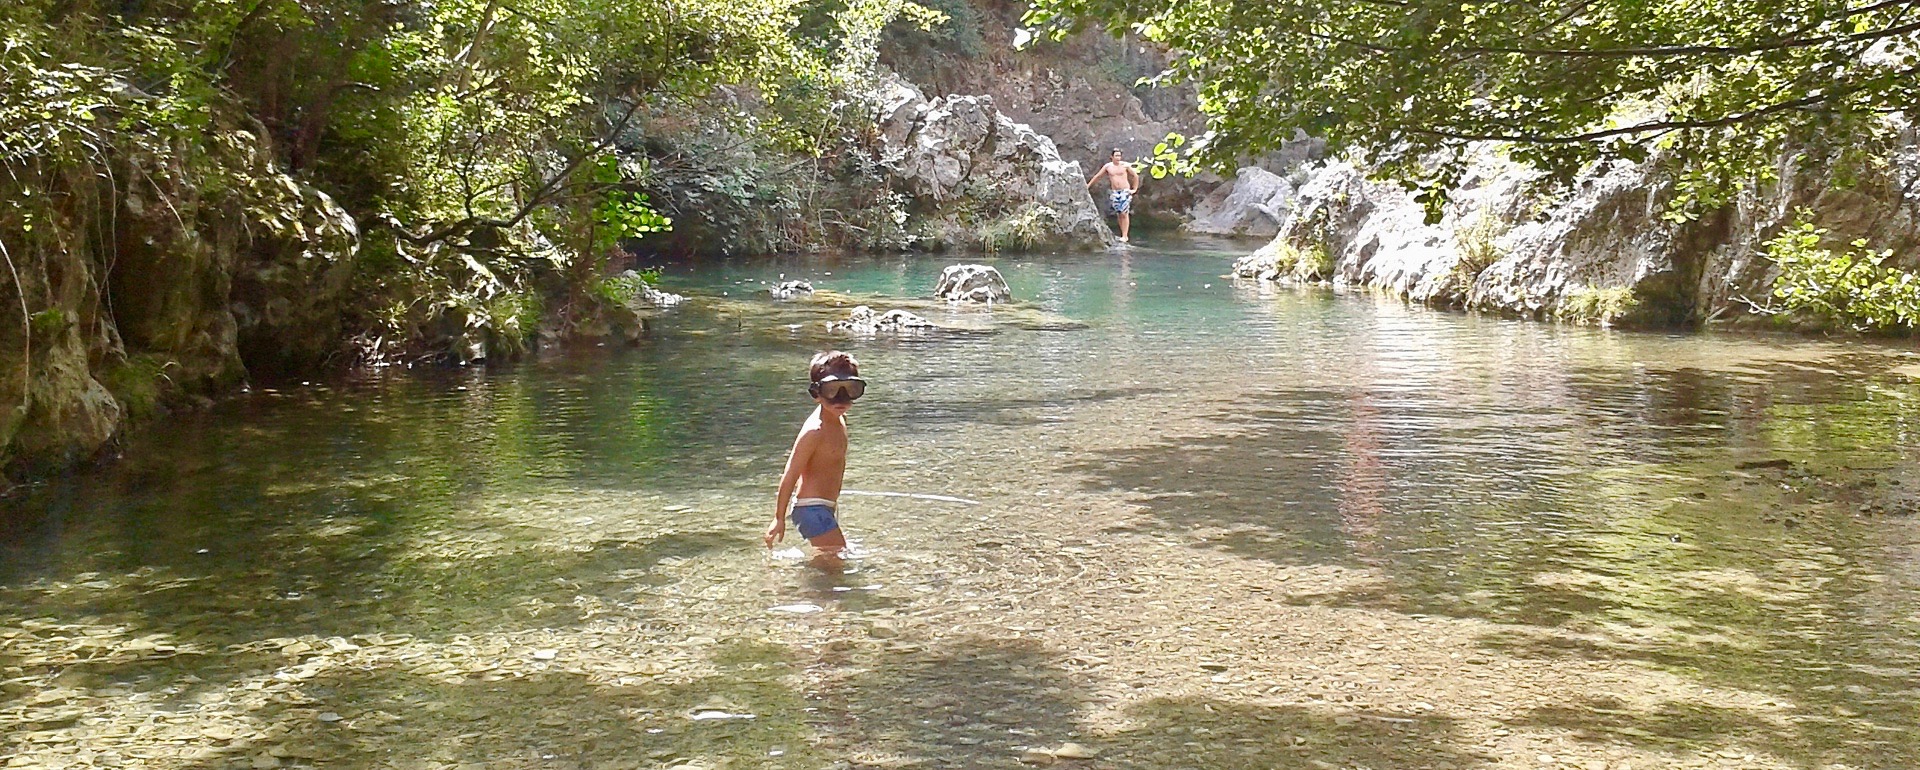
<point>815,430</point>
<point>810,429</point>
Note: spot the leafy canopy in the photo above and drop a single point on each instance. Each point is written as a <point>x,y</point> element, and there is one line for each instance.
<point>477,143</point>
<point>1411,83</point>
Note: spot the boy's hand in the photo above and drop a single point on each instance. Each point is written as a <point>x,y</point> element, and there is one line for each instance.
<point>777,532</point>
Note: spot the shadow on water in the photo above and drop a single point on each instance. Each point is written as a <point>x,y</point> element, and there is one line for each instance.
<point>373,716</point>
<point>978,702</point>
<point>965,702</point>
<point>425,519</point>
<point>1701,524</point>
<point>1227,734</point>
<point>347,586</point>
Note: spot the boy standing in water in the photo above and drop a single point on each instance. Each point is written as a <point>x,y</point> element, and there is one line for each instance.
<point>819,460</point>
<point>1123,182</point>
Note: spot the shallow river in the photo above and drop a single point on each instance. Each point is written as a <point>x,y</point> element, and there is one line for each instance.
<point>1176,520</point>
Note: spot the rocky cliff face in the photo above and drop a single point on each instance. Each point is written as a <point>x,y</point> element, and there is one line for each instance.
<point>978,179</point>
<point>1079,93</point>
<point>1598,250</point>
<point>145,296</point>
<point>1088,116</point>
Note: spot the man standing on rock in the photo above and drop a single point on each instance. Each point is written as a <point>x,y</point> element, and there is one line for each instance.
<point>1124,182</point>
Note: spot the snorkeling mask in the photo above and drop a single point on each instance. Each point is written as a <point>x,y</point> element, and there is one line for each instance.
<point>838,388</point>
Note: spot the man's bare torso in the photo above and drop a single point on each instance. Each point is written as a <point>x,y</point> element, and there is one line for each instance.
<point>826,467</point>
<point>1119,175</point>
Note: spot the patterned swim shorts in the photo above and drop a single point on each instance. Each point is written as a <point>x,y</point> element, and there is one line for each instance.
<point>1120,202</point>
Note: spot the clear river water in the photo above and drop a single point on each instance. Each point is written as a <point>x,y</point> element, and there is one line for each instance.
<point>1167,517</point>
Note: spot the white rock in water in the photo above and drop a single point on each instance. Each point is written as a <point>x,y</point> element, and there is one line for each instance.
<point>790,289</point>
<point>712,714</point>
<point>972,283</point>
<point>1074,751</point>
<point>864,320</point>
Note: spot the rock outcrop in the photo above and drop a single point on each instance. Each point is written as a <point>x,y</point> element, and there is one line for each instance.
<point>160,306</point>
<point>864,321</point>
<point>1087,118</point>
<point>1259,198</point>
<point>1253,203</point>
<point>790,289</point>
<point>288,287</point>
<point>625,320</point>
<point>972,283</point>
<point>1281,262</point>
<point>1083,93</point>
<point>980,180</point>
<point>1600,249</point>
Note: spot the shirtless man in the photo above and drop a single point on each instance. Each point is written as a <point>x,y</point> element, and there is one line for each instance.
<point>1124,182</point>
<point>818,464</point>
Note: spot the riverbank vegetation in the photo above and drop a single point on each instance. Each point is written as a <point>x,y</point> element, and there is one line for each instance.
<point>1414,85</point>
<point>1723,96</point>
<point>488,154</point>
<point>1852,287</point>
<point>201,192</point>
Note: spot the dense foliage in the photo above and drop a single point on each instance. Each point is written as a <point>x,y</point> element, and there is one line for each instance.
<point>487,150</point>
<point>1853,287</point>
<point>1413,83</point>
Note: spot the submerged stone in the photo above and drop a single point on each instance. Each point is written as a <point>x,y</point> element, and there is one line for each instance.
<point>1075,751</point>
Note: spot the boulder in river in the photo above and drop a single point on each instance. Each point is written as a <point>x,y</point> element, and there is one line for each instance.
<point>790,289</point>
<point>972,283</point>
<point>865,321</point>
<point>626,319</point>
<point>1254,203</point>
<point>646,297</point>
<point>979,179</point>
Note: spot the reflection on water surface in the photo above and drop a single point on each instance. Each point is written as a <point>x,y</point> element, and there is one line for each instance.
<point>1665,548</point>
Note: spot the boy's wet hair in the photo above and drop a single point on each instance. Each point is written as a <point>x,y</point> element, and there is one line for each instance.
<point>1115,151</point>
<point>832,362</point>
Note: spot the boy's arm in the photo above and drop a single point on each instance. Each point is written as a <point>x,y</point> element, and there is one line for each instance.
<point>1096,176</point>
<point>1133,177</point>
<point>796,463</point>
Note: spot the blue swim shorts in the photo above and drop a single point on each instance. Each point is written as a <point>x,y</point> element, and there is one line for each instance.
<point>1120,202</point>
<point>813,518</point>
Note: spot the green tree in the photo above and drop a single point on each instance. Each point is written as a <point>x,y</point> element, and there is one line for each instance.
<point>1410,84</point>
<point>476,142</point>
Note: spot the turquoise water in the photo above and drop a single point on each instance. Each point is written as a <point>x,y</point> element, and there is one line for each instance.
<point>1735,512</point>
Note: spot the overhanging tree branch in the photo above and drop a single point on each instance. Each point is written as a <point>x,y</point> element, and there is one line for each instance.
<point>1790,105</point>
<point>1674,51</point>
<point>540,195</point>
